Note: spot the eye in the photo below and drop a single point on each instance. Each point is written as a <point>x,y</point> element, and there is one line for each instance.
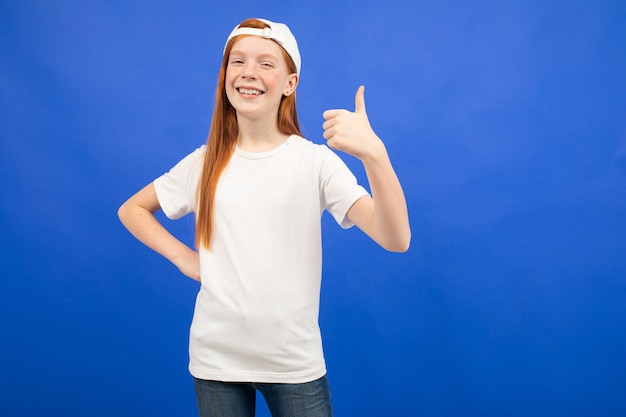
<point>236,61</point>
<point>266,64</point>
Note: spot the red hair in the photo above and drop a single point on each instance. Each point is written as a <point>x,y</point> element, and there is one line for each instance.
<point>223,138</point>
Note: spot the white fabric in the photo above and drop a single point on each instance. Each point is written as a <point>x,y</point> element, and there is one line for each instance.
<point>256,315</point>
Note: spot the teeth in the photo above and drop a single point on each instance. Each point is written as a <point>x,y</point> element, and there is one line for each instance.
<point>249,91</point>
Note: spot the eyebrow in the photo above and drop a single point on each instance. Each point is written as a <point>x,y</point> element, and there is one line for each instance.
<point>260,56</point>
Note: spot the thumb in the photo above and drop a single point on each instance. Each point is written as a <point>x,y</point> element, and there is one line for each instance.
<point>359,100</point>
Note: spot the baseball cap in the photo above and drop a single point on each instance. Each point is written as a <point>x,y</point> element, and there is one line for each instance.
<point>276,31</point>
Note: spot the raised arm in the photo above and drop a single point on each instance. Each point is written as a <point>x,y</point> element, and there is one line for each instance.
<point>137,215</point>
<point>384,216</point>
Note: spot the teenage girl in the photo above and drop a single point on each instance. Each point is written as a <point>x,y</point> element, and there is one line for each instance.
<point>258,190</point>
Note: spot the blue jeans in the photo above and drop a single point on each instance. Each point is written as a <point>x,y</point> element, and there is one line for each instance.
<point>234,399</point>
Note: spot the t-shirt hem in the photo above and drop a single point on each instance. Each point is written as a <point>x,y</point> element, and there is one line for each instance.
<point>257,377</point>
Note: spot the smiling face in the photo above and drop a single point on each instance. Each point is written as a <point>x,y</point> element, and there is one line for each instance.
<point>257,77</point>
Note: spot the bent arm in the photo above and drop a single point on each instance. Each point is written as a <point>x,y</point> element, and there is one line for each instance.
<point>384,216</point>
<point>137,215</point>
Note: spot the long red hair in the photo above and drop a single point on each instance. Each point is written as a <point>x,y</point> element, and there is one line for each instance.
<point>223,138</point>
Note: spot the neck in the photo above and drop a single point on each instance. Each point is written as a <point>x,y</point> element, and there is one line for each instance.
<point>259,136</point>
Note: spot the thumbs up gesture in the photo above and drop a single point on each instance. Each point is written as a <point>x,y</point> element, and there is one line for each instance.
<point>351,132</point>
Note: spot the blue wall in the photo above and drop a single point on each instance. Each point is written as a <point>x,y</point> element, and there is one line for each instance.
<point>506,122</point>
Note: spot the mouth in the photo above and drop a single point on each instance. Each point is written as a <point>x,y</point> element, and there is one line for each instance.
<point>249,91</point>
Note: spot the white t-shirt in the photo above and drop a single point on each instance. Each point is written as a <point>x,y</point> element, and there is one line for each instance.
<point>256,314</point>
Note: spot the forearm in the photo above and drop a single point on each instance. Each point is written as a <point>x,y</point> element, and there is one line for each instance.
<point>145,227</point>
<point>390,215</point>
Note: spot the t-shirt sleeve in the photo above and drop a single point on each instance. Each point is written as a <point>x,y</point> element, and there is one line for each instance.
<point>339,187</point>
<point>176,189</point>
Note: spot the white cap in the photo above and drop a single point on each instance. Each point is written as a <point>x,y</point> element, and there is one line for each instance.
<point>276,31</point>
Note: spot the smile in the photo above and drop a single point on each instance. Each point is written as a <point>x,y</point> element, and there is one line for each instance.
<point>249,91</point>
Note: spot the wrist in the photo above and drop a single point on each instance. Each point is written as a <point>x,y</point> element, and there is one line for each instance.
<point>375,153</point>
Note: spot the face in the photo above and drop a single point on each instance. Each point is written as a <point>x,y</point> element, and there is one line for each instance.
<point>257,77</point>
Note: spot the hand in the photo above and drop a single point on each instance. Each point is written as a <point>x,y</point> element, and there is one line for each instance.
<point>350,132</point>
<point>189,264</point>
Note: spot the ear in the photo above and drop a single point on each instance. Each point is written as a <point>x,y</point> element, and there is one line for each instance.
<point>292,83</point>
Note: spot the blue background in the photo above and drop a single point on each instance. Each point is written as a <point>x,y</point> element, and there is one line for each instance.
<point>506,122</point>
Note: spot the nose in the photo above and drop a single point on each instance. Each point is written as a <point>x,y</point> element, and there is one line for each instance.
<point>249,70</point>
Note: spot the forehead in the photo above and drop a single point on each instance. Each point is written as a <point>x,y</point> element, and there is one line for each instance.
<point>256,45</point>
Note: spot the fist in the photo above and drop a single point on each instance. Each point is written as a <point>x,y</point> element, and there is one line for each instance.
<point>350,132</point>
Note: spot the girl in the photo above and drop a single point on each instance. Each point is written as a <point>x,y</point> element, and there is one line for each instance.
<point>258,190</point>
